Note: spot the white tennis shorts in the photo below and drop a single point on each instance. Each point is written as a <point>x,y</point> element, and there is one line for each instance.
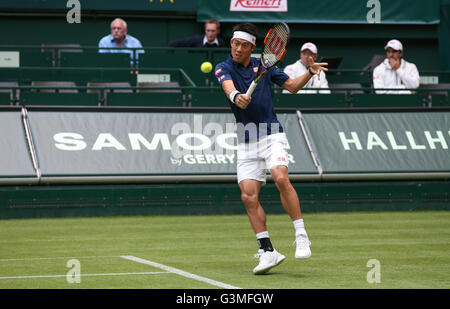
<point>255,158</point>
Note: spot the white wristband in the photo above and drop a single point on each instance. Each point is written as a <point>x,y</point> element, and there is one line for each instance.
<point>233,95</point>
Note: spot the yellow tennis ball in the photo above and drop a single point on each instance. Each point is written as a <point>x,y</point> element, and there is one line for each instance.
<point>206,67</point>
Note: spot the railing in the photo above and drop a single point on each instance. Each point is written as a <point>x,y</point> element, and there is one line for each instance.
<point>57,51</point>
<point>83,64</point>
<point>193,96</point>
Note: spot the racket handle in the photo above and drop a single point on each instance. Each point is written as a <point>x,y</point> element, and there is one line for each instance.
<point>251,89</point>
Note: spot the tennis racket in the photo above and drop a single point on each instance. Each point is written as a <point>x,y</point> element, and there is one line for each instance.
<point>274,50</point>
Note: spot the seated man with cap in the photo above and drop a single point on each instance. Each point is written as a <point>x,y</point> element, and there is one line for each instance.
<point>300,67</point>
<point>395,72</point>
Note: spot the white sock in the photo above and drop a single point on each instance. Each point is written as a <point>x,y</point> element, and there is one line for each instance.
<point>299,227</point>
<point>264,234</point>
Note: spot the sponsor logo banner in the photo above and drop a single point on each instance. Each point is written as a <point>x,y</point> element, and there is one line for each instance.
<point>258,6</point>
<point>381,142</point>
<point>96,143</point>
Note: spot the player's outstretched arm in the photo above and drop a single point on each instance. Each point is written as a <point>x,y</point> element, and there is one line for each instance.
<point>293,85</point>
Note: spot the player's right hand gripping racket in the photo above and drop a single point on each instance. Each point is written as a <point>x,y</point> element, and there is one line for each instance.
<point>274,50</point>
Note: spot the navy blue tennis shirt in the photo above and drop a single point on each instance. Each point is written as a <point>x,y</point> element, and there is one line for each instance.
<point>259,113</point>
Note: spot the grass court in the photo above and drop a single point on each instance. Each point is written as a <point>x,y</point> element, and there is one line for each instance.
<point>214,252</point>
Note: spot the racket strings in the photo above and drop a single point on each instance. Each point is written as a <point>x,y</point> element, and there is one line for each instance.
<point>275,45</point>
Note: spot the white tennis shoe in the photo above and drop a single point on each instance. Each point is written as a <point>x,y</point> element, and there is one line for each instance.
<point>302,250</point>
<point>267,260</point>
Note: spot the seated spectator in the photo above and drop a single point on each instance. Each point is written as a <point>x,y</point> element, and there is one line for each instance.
<point>301,66</point>
<point>119,38</point>
<point>395,72</point>
<point>210,39</point>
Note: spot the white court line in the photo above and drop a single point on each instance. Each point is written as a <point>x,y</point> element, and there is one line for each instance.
<point>86,275</point>
<point>179,272</point>
<point>60,258</point>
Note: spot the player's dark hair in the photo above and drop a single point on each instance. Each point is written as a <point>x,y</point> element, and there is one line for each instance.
<point>247,27</point>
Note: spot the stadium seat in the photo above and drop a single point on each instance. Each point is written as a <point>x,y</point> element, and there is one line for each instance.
<point>103,93</point>
<point>388,100</point>
<point>333,62</point>
<point>374,62</point>
<point>60,99</point>
<point>56,84</point>
<point>336,100</point>
<point>161,99</point>
<point>154,87</point>
<point>58,49</point>
<point>354,85</point>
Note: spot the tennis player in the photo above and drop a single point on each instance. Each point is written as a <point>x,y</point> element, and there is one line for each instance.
<point>262,143</point>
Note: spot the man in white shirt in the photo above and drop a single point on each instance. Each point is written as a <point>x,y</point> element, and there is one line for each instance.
<point>395,72</point>
<point>300,67</point>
